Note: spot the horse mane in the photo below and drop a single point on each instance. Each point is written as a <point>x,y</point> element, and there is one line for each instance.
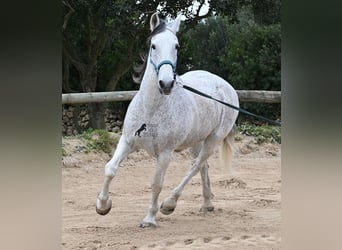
<point>139,70</point>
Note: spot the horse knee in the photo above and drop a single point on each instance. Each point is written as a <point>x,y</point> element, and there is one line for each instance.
<point>156,187</point>
<point>110,169</point>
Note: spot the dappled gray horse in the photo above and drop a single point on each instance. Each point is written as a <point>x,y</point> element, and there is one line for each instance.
<point>163,118</point>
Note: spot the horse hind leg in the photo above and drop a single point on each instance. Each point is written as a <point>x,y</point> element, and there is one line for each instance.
<point>206,188</point>
<point>226,152</point>
<point>169,205</point>
<point>104,203</point>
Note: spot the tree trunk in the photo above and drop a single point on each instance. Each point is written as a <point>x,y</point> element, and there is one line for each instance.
<point>123,68</point>
<point>65,76</point>
<point>96,111</point>
<point>96,115</point>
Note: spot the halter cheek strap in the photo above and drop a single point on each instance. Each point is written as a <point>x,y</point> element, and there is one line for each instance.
<point>164,62</point>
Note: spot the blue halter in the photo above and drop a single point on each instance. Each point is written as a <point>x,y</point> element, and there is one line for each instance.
<point>164,62</point>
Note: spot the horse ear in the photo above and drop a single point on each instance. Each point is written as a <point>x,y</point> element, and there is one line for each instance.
<point>154,21</point>
<point>174,25</point>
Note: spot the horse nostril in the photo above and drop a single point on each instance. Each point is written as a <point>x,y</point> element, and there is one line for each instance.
<point>161,84</point>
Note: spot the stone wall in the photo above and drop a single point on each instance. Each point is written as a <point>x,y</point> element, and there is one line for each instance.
<point>75,120</point>
<point>113,121</point>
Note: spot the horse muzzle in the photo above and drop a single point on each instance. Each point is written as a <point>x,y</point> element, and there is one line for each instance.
<point>165,88</point>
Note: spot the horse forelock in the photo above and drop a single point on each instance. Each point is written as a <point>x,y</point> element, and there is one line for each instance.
<point>159,29</point>
<point>140,69</point>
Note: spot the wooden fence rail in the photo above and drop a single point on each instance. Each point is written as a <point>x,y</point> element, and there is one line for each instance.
<point>260,96</point>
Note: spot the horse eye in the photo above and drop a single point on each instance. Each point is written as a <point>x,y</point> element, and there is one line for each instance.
<point>177,46</point>
<point>153,46</point>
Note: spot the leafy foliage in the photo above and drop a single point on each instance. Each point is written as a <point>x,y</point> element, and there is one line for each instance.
<point>245,54</point>
<point>263,12</point>
<point>262,133</point>
<point>99,140</point>
<point>102,40</point>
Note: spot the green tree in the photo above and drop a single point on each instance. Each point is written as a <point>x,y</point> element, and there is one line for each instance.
<point>245,54</point>
<point>102,39</point>
<point>265,12</point>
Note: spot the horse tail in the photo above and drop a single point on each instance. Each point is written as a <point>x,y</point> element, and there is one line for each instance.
<point>227,151</point>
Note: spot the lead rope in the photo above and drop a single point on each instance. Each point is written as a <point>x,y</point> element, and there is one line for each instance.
<point>227,104</point>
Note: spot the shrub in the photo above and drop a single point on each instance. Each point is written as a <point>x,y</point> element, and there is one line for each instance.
<point>247,55</point>
<point>261,133</point>
<point>100,140</point>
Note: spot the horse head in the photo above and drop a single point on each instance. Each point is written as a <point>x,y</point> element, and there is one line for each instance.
<point>163,51</point>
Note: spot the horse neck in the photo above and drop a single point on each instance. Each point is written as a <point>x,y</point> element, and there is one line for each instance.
<point>151,96</point>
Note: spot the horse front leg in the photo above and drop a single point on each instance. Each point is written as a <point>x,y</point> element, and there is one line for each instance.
<point>157,185</point>
<point>104,203</point>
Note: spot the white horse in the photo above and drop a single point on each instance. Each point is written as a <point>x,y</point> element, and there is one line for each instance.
<point>163,118</point>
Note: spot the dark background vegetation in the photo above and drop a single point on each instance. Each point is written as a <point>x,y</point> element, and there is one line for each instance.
<point>239,40</point>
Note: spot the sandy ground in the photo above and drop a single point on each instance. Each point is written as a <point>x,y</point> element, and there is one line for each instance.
<point>247,204</point>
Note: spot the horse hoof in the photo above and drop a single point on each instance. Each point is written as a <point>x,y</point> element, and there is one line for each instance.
<point>207,209</point>
<point>147,224</point>
<point>105,210</point>
<point>166,210</point>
